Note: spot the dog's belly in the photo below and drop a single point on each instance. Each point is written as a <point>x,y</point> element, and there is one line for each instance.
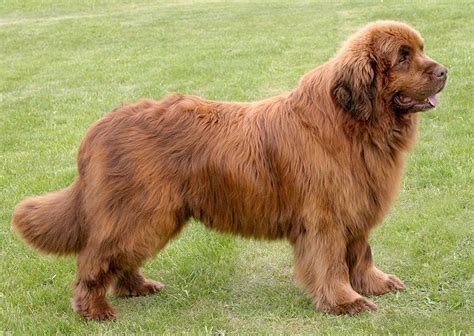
<point>243,210</point>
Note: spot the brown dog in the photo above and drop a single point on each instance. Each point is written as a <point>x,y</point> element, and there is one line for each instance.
<point>319,166</point>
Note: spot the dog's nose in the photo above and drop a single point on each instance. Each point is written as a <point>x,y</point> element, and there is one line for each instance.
<point>440,72</point>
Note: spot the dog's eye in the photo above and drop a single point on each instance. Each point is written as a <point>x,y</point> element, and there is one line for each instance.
<point>403,57</point>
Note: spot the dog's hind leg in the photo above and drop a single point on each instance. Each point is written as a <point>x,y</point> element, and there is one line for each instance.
<point>128,280</point>
<point>95,272</point>
<point>119,242</point>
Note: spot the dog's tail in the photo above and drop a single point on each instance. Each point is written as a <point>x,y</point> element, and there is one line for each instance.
<point>52,223</point>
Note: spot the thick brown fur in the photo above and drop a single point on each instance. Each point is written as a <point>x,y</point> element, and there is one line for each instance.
<point>319,166</point>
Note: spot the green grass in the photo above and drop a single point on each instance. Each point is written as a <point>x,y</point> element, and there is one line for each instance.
<point>64,64</point>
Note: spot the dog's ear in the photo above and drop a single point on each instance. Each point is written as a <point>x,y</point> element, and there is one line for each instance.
<point>354,85</point>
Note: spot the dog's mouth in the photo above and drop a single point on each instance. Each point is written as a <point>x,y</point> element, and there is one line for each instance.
<point>408,104</point>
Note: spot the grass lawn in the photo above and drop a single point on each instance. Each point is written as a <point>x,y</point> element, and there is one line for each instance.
<point>64,64</point>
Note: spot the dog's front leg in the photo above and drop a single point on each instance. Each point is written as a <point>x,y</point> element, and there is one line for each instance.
<point>364,276</point>
<point>322,270</point>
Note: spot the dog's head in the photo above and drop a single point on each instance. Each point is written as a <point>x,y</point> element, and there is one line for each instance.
<point>384,66</point>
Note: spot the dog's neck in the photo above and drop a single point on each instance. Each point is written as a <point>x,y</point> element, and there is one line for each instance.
<point>314,103</point>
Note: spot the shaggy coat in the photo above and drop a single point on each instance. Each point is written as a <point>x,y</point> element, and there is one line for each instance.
<point>319,166</point>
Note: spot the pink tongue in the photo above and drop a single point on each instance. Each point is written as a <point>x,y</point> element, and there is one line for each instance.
<point>433,100</point>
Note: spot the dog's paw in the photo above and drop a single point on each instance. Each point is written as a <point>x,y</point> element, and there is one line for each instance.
<point>100,314</point>
<point>389,283</point>
<point>376,282</point>
<point>393,283</point>
<point>357,306</point>
<point>146,287</point>
<point>152,287</point>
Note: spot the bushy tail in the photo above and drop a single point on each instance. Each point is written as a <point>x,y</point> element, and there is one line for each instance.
<point>52,223</point>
